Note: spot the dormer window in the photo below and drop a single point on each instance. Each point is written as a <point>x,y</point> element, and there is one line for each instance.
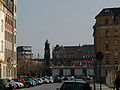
<point>107,10</point>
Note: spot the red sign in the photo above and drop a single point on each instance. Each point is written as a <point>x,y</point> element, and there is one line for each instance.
<point>82,62</point>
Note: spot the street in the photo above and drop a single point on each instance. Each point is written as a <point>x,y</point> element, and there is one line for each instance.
<point>54,86</point>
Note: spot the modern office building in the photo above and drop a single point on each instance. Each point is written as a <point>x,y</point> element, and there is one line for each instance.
<point>107,35</point>
<point>25,51</point>
<point>24,55</point>
<point>8,66</point>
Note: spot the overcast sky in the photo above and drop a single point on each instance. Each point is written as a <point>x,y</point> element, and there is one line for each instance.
<point>63,22</point>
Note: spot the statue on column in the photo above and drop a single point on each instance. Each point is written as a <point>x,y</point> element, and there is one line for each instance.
<point>47,58</point>
<point>47,53</point>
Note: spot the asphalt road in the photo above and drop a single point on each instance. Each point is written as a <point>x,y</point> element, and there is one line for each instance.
<point>54,86</point>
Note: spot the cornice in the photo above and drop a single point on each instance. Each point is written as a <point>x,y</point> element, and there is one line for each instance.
<point>104,27</point>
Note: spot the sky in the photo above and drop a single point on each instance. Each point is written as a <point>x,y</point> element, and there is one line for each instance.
<point>63,22</point>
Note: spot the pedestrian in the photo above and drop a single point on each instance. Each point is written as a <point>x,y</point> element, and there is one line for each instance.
<point>117,83</point>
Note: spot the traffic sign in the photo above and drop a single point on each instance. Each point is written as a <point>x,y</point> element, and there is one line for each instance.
<point>99,56</point>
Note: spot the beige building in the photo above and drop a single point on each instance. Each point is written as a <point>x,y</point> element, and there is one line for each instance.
<point>107,35</point>
<point>8,59</point>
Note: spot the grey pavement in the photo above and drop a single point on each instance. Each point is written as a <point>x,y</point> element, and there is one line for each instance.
<point>104,87</point>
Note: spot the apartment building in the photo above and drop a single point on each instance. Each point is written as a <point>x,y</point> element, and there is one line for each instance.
<point>107,35</point>
<point>8,39</point>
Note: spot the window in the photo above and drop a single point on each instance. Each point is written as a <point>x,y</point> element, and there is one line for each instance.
<point>106,42</point>
<point>116,33</point>
<point>107,62</point>
<point>116,41</point>
<point>2,25</point>
<point>107,55</point>
<point>107,46</point>
<point>106,20</point>
<point>1,45</point>
<point>116,54</point>
<point>118,20</point>
<point>107,10</point>
<point>4,71</point>
<point>106,33</point>
<point>0,5</point>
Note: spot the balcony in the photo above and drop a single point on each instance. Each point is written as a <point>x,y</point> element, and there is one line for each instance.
<point>9,4</point>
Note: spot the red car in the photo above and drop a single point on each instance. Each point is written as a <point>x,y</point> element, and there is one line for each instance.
<point>26,84</point>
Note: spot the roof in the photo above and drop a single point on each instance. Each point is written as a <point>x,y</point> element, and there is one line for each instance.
<point>110,12</point>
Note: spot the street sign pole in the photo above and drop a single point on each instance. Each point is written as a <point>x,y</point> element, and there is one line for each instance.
<point>94,76</point>
<point>99,57</point>
<point>100,77</point>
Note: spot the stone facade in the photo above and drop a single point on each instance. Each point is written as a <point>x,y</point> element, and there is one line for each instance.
<point>107,40</point>
<point>107,35</point>
<point>63,55</point>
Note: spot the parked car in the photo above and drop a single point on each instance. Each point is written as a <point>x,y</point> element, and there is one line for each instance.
<point>40,79</point>
<point>19,84</point>
<point>4,84</point>
<point>21,80</point>
<point>50,79</point>
<point>45,80</point>
<point>12,84</point>
<point>36,80</point>
<point>32,82</point>
<point>75,85</point>
<point>57,79</point>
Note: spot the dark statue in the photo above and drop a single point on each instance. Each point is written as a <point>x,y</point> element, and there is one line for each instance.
<point>47,58</point>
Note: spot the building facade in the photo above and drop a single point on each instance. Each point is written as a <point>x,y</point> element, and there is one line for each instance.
<point>64,55</point>
<point>107,35</point>
<point>8,66</point>
<point>107,40</point>
<point>87,51</point>
<point>25,51</point>
<point>27,66</point>
<point>24,54</point>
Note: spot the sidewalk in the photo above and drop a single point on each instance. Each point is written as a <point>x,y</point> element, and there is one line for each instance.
<point>104,87</point>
